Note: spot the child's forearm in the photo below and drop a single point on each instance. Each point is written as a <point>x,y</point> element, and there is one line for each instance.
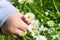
<point>6,9</point>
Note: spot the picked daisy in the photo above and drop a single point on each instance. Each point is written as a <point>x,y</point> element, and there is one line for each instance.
<point>51,30</point>
<point>29,16</point>
<point>21,1</point>
<point>32,28</point>
<point>35,34</point>
<point>41,37</point>
<point>50,23</point>
<point>42,28</point>
<point>22,33</point>
<point>56,37</point>
<point>35,22</point>
<point>29,1</point>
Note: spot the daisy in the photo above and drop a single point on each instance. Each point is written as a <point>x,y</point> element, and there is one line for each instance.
<point>35,22</point>
<point>29,16</point>
<point>56,37</point>
<point>32,28</point>
<point>42,28</point>
<point>21,1</point>
<point>41,37</point>
<point>50,23</point>
<point>35,34</point>
<point>51,30</point>
<point>29,1</point>
<point>22,33</point>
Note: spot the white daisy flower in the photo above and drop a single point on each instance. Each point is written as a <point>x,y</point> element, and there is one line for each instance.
<point>51,30</point>
<point>35,22</point>
<point>29,16</point>
<point>35,34</point>
<point>32,28</point>
<point>21,1</point>
<point>41,37</point>
<point>42,28</point>
<point>29,1</point>
<point>50,23</point>
<point>46,13</point>
<point>56,37</point>
<point>22,33</point>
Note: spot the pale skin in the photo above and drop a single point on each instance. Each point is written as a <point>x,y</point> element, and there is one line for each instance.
<point>15,23</point>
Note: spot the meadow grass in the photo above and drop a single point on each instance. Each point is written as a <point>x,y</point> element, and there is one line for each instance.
<point>38,7</point>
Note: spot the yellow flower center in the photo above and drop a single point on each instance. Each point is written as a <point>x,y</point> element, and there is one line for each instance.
<point>29,0</point>
<point>22,0</point>
<point>22,34</point>
<point>43,29</point>
<point>50,24</point>
<point>29,16</point>
<point>34,28</point>
<point>36,33</point>
<point>34,22</point>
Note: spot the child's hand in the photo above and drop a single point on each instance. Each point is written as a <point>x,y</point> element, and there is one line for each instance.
<point>15,24</point>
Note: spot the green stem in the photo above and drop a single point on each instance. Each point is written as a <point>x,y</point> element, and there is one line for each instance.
<point>43,33</point>
<point>28,38</point>
<point>24,38</point>
<point>41,2</point>
<point>55,6</point>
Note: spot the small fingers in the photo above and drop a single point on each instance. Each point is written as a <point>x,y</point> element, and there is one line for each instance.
<point>21,16</point>
<point>21,33</point>
<point>22,25</point>
<point>17,32</point>
<point>26,21</point>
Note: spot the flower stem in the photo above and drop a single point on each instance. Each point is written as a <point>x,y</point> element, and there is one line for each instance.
<point>41,2</point>
<point>55,6</point>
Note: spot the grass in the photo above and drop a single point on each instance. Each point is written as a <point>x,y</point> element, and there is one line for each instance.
<point>38,7</point>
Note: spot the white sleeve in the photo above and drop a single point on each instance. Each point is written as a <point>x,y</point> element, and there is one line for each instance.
<point>6,9</point>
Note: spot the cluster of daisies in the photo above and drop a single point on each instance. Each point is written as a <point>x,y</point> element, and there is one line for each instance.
<point>27,1</point>
<point>35,28</point>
